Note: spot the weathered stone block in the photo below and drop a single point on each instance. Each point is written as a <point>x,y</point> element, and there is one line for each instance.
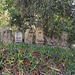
<point>63,40</point>
<point>39,36</point>
<point>18,37</point>
<point>28,36</point>
<point>48,41</point>
<point>63,43</point>
<point>64,35</point>
<point>6,36</point>
<point>55,39</point>
<point>73,46</point>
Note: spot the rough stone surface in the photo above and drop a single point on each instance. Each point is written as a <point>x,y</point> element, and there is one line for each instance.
<point>6,36</point>
<point>64,35</point>
<point>55,39</point>
<point>63,40</point>
<point>73,46</point>
<point>39,36</point>
<point>28,36</point>
<point>18,37</point>
<point>48,41</point>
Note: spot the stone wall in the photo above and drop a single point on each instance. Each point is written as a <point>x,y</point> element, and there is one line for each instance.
<point>48,41</point>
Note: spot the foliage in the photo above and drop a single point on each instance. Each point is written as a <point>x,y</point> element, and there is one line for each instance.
<point>54,16</point>
<point>4,17</point>
<point>29,57</point>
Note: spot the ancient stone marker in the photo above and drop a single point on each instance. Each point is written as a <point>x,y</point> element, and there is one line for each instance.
<point>63,41</point>
<point>55,39</point>
<point>48,41</point>
<point>18,37</point>
<point>73,46</point>
<point>6,36</point>
<point>64,35</point>
<point>28,36</point>
<point>39,36</point>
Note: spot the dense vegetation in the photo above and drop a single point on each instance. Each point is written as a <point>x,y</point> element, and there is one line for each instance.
<point>28,58</point>
<point>54,16</point>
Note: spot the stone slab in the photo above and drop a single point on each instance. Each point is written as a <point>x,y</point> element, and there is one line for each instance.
<point>18,37</point>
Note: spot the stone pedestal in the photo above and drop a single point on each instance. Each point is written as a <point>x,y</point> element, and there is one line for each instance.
<point>6,36</point>
<point>28,36</point>
<point>18,37</point>
<point>39,36</point>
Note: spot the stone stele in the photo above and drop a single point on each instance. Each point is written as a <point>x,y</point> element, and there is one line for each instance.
<point>6,36</point>
<point>18,37</point>
<point>39,36</point>
<point>28,36</point>
<point>63,40</point>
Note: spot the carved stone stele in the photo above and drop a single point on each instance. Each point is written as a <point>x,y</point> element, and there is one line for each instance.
<point>28,36</point>
<point>6,36</point>
<point>39,36</point>
<point>63,40</point>
<point>18,37</point>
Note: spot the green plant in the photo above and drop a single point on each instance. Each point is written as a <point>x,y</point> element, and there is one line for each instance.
<point>30,57</point>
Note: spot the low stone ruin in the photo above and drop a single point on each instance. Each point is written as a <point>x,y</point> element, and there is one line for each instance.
<point>6,36</point>
<point>18,37</point>
<point>63,40</point>
<point>39,36</point>
<point>48,41</point>
<point>28,36</point>
<point>52,41</point>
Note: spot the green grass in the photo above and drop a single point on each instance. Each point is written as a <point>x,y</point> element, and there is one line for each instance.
<point>19,54</point>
